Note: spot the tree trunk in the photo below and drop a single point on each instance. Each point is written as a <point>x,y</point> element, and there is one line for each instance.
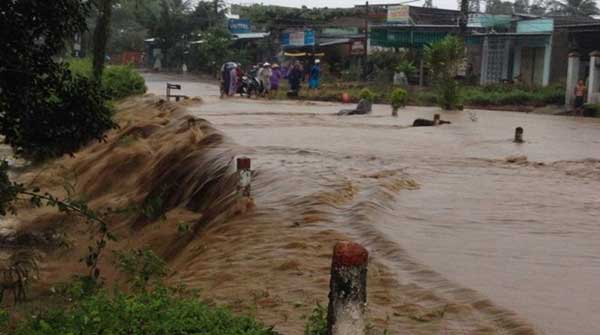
<point>101,33</point>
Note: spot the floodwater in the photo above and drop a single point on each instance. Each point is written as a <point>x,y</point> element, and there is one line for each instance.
<point>524,233</point>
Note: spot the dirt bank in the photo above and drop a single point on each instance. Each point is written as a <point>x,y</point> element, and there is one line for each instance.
<point>266,262</point>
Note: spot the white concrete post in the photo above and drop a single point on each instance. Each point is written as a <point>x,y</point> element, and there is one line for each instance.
<point>348,290</point>
<point>517,62</point>
<point>484,61</point>
<point>547,60</point>
<point>594,83</point>
<point>572,77</point>
<point>245,174</point>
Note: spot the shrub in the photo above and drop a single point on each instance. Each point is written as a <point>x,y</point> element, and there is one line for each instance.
<point>122,81</point>
<point>317,321</point>
<point>592,110</point>
<point>161,311</point>
<point>141,268</point>
<point>398,99</point>
<point>118,81</point>
<point>73,114</point>
<point>367,94</point>
<point>443,59</point>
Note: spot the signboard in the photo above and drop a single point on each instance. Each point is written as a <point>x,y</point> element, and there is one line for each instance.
<point>357,47</point>
<point>239,26</point>
<point>398,14</point>
<point>298,38</point>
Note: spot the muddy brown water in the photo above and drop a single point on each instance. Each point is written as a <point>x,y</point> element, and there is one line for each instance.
<point>523,233</point>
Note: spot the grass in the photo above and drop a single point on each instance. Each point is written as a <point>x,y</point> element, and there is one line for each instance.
<point>480,96</point>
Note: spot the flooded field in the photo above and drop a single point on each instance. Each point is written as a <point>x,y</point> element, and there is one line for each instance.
<point>522,231</point>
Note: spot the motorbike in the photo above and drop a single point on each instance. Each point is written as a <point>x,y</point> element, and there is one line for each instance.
<point>250,86</point>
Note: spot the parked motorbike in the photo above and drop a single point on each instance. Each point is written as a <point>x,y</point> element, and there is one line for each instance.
<point>250,86</point>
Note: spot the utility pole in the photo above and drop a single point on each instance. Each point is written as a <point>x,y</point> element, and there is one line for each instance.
<point>464,17</point>
<point>366,51</point>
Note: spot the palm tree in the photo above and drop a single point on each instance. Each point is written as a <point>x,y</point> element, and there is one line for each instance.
<point>576,7</point>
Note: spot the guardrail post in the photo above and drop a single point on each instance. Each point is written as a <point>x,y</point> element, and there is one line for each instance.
<point>518,135</point>
<point>348,290</point>
<point>245,174</point>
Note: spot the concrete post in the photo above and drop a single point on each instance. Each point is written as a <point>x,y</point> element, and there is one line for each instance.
<point>547,61</point>
<point>421,69</point>
<point>572,77</point>
<point>484,61</point>
<point>594,82</point>
<point>517,62</point>
<point>518,135</point>
<point>348,290</point>
<point>243,169</point>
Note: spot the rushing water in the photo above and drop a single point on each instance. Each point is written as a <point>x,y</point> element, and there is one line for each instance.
<point>523,233</point>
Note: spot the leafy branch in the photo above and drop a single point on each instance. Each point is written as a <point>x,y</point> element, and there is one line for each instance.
<point>12,193</point>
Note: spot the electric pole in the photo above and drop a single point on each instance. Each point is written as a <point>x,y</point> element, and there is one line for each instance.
<point>464,17</point>
<point>366,51</point>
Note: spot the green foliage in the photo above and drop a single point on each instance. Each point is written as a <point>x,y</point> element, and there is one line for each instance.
<point>505,95</point>
<point>73,114</point>
<point>398,98</point>
<point>152,208</point>
<point>118,81</point>
<point>12,192</point>
<point>575,7</point>
<point>122,81</point>
<point>44,110</point>
<point>142,267</point>
<point>159,312</point>
<point>216,50</point>
<point>592,110</point>
<point>317,321</point>
<point>79,288</point>
<point>407,67</point>
<point>367,94</point>
<point>382,65</point>
<point>443,58</point>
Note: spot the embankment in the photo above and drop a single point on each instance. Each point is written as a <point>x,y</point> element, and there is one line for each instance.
<point>172,177</point>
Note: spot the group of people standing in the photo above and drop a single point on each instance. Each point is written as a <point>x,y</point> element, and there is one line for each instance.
<point>269,77</point>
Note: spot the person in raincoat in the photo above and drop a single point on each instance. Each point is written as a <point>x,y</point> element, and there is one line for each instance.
<point>275,77</point>
<point>315,75</point>
<point>264,75</point>
<point>294,78</point>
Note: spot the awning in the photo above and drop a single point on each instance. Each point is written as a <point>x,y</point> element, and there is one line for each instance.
<point>333,41</point>
<point>246,36</point>
<point>303,54</point>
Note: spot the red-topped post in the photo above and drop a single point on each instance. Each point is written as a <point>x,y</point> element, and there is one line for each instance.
<point>245,174</point>
<point>348,290</point>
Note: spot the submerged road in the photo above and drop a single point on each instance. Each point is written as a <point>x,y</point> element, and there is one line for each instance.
<point>524,233</point>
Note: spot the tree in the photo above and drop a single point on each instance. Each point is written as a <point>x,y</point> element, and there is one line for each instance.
<point>172,30</point>
<point>443,58</point>
<point>539,7</point>
<point>44,110</point>
<point>576,7</point>
<point>101,34</point>
<point>207,14</point>
<point>215,50</point>
<point>499,7</point>
<point>521,6</point>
